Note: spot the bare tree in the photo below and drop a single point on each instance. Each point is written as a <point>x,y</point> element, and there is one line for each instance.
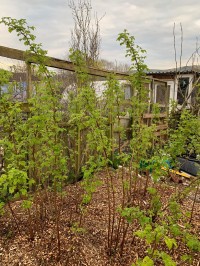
<point>114,66</point>
<point>86,33</point>
<point>192,97</point>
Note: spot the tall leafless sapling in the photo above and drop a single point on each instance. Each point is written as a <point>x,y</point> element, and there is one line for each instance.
<point>85,36</point>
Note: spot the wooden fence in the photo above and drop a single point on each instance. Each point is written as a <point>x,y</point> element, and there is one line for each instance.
<point>161,129</point>
<point>69,66</point>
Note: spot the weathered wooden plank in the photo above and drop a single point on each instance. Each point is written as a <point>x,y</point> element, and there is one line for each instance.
<point>160,133</point>
<point>12,53</point>
<point>64,64</point>
<point>56,63</point>
<point>162,127</point>
<point>153,115</point>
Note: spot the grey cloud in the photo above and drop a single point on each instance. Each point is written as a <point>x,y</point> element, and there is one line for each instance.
<point>151,22</point>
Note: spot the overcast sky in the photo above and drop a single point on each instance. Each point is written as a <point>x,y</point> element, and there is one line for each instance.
<point>151,22</point>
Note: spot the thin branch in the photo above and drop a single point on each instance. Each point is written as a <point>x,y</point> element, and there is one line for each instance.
<point>181,54</point>
<point>175,56</point>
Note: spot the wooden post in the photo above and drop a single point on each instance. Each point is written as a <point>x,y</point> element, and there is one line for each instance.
<point>28,95</point>
<point>28,81</point>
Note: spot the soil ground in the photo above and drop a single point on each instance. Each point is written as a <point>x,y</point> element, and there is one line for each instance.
<point>85,245</point>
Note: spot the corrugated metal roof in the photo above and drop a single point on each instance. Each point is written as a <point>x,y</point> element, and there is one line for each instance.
<point>184,69</point>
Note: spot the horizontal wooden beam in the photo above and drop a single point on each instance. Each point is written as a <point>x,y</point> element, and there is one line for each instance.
<point>154,115</point>
<point>162,127</point>
<point>57,63</point>
<point>160,134</point>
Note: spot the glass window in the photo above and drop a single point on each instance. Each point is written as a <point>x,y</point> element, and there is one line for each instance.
<point>183,84</point>
<point>162,94</point>
<point>127,92</point>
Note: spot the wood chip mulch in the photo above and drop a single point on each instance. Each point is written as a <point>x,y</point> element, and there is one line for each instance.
<point>80,245</point>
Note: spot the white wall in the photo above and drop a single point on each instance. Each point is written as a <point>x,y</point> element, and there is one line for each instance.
<point>174,86</point>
